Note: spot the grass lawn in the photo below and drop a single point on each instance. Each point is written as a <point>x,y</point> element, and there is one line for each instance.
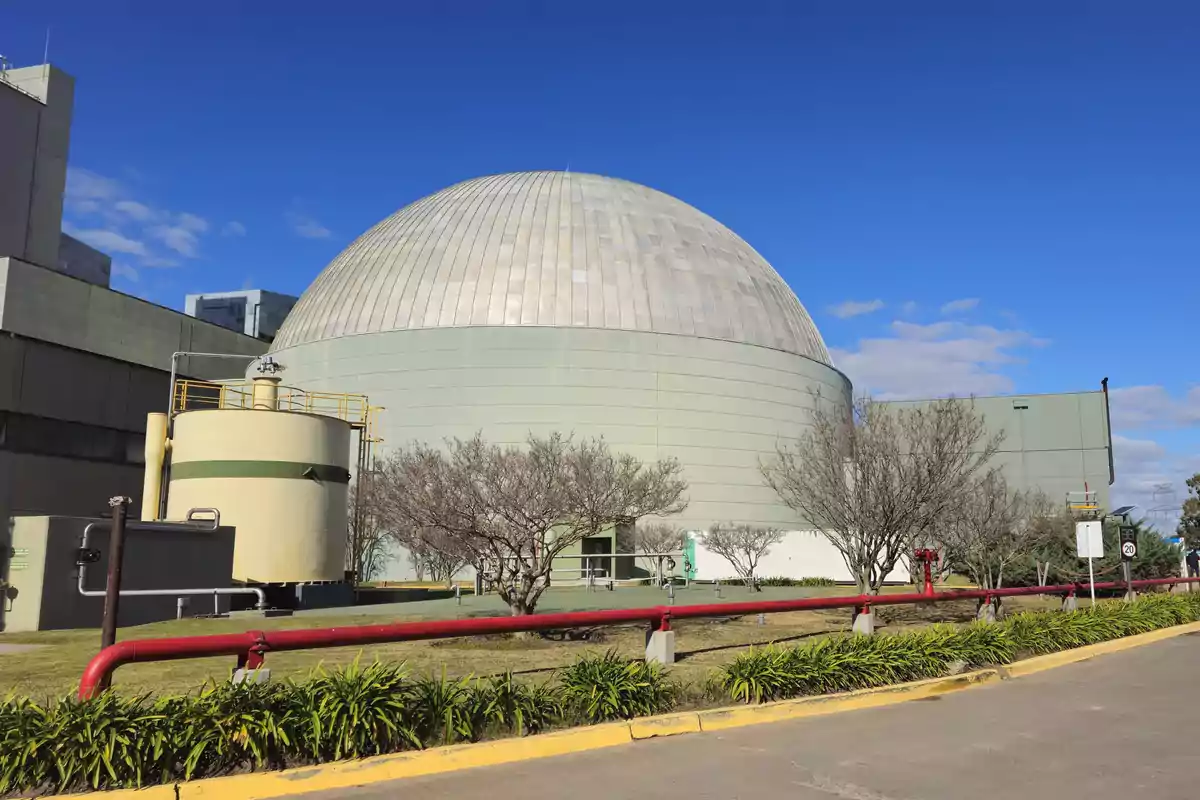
<point>55,667</point>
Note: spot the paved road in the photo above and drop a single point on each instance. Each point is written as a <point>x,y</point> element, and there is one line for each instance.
<point>1118,727</point>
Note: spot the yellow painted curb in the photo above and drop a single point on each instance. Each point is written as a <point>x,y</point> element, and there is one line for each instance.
<point>346,774</point>
<point>665,725</point>
<point>1037,664</point>
<point>722,718</point>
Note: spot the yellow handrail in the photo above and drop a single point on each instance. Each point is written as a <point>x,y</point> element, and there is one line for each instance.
<point>353,408</point>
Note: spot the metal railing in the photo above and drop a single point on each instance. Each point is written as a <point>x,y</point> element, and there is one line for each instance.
<point>251,647</point>
<point>195,395</point>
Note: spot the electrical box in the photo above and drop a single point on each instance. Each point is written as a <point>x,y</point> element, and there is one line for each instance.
<point>43,561</point>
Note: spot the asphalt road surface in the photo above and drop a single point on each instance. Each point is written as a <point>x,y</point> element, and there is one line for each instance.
<point>1119,726</point>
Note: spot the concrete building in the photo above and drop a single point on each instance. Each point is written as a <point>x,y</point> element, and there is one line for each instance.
<point>254,312</point>
<point>35,135</point>
<point>80,367</point>
<point>552,301</point>
<point>1058,443</point>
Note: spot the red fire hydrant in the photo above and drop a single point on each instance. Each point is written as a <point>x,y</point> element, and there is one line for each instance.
<point>928,557</point>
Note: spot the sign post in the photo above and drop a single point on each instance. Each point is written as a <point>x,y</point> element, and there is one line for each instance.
<point>1089,544</point>
<point>1129,551</point>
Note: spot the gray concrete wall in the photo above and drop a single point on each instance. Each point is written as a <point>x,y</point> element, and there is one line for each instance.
<point>44,183</point>
<point>1053,442</point>
<point>47,380</point>
<point>47,593</point>
<point>18,149</point>
<point>42,304</point>
<point>717,406</point>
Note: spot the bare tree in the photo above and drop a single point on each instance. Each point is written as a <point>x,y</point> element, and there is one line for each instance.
<point>743,546</point>
<point>657,537</point>
<point>367,529</point>
<point>992,527</point>
<point>513,510</point>
<point>873,478</point>
<point>431,551</point>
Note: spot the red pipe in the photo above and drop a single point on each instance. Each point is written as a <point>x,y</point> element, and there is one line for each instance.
<point>251,646</point>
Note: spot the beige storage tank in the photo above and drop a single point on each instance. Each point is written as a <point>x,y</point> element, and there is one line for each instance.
<point>280,478</point>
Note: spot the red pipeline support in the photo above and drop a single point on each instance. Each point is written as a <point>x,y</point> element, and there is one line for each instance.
<point>251,646</point>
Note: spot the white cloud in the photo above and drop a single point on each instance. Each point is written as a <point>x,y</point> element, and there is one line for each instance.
<point>178,238</point>
<point>233,228</point>
<point>120,270</point>
<point>934,360</point>
<point>909,308</point>
<point>307,227</point>
<point>135,210</point>
<point>191,222</point>
<point>109,218</point>
<point>855,308</point>
<point>1144,407</point>
<point>89,190</point>
<point>110,241</point>
<point>958,306</point>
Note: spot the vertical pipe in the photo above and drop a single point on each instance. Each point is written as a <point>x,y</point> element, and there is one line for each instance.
<point>1112,472</point>
<point>156,451</point>
<point>116,553</point>
<point>165,477</point>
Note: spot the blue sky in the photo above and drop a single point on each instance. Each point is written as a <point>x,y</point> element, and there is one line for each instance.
<point>969,197</point>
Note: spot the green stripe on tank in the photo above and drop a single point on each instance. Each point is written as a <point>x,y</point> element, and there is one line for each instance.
<point>325,473</point>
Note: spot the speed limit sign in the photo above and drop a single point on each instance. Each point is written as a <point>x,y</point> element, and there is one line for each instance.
<point>1129,548</point>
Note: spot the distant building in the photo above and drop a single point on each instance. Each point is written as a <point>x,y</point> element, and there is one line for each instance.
<point>254,312</point>
<point>83,262</point>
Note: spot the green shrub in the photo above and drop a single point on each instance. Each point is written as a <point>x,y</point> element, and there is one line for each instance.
<point>844,663</point>
<point>609,687</point>
<point>523,708</point>
<point>779,580</point>
<point>353,712</point>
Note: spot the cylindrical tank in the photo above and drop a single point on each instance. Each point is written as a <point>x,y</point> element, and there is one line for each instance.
<point>280,478</point>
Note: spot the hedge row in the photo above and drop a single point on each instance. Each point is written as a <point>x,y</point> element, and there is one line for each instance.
<point>114,741</point>
<point>845,663</point>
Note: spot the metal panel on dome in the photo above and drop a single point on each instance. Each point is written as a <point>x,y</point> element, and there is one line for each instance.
<point>554,249</point>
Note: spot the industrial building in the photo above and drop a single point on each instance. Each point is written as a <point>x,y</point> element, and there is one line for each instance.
<point>81,365</point>
<point>556,301</point>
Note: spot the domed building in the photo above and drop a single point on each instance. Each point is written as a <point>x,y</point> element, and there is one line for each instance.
<point>555,301</point>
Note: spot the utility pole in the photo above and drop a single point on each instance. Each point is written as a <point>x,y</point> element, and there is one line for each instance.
<point>116,553</point>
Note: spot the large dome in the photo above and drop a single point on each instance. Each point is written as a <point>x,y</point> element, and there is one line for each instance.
<point>558,249</point>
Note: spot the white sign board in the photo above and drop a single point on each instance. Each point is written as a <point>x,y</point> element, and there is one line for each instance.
<point>1089,539</point>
